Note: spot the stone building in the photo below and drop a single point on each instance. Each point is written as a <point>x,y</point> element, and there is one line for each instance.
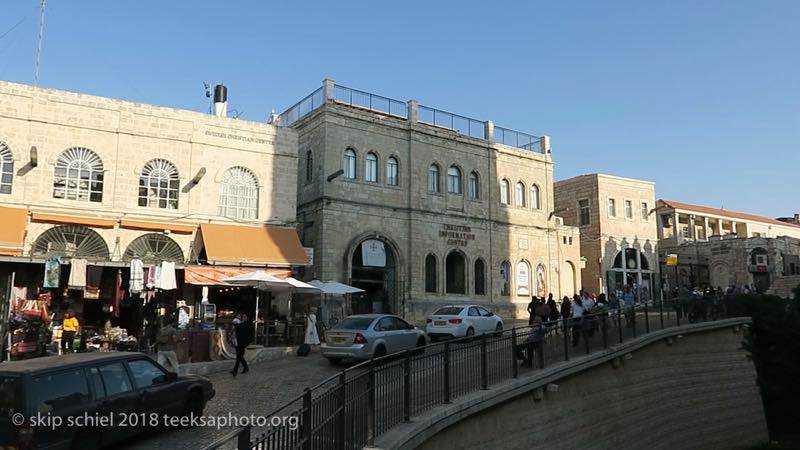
<point>718,247</point>
<point>422,208</point>
<point>107,181</point>
<point>618,231</point>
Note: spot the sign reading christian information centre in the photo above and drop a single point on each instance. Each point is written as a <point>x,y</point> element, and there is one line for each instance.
<point>456,234</point>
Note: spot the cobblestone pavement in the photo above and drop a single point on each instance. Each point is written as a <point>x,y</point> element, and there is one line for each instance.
<point>267,386</point>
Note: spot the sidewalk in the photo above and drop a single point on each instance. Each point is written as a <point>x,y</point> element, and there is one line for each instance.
<point>253,355</point>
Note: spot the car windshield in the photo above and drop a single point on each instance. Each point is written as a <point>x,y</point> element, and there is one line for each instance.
<point>449,311</point>
<point>355,323</point>
<point>10,397</point>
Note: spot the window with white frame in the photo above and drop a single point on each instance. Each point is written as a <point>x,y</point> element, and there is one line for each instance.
<point>535,197</point>
<point>392,173</point>
<point>504,187</point>
<point>454,180</point>
<point>520,194</point>
<point>158,185</point>
<point>371,168</point>
<point>433,178</point>
<point>349,164</point>
<point>645,212</point>
<point>612,208</point>
<point>78,176</point>
<point>474,186</point>
<point>238,194</point>
<point>628,209</point>
<point>6,169</point>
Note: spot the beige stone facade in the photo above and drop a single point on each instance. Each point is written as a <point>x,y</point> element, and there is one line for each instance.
<point>618,231</point>
<point>39,126</point>
<point>462,225</point>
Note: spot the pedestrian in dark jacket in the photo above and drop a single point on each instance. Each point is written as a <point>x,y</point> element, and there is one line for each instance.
<point>532,310</point>
<point>553,308</point>
<point>566,308</point>
<point>244,337</point>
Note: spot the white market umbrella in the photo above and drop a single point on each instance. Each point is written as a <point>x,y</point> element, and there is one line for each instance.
<point>300,287</point>
<point>260,280</point>
<point>335,288</point>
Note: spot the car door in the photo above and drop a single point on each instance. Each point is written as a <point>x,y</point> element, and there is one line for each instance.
<point>386,328</point>
<point>58,398</point>
<point>407,334</point>
<point>489,320</point>
<point>157,393</point>
<point>475,320</point>
<point>119,400</point>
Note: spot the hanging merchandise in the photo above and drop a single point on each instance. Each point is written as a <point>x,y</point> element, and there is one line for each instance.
<point>118,293</point>
<point>150,283</point>
<point>52,272</point>
<point>157,278</point>
<point>93,276</point>
<point>137,276</point>
<point>168,281</point>
<point>77,274</point>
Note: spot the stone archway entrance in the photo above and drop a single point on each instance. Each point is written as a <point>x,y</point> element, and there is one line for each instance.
<point>374,269</point>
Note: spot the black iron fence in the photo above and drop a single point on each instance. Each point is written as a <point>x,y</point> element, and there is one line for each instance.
<point>352,409</point>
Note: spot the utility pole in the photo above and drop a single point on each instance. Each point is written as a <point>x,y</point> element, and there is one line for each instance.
<point>39,45</point>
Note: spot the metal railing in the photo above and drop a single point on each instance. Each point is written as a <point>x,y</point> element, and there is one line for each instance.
<point>353,408</point>
<point>517,139</point>
<point>460,124</point>
<point>372,102</point>
<point>302,108</point>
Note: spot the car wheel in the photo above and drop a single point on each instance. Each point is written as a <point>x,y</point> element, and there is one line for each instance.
<point>86,439</point>
<point>470,333</point>
<point>421,343</point>
<point>379,352</point>
<point>194,405</point>
<point>498,330</point>
<point>434,338</point>
<point>335,361</point>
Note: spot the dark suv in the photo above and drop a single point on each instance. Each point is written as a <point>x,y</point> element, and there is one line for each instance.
<point>92,400</point>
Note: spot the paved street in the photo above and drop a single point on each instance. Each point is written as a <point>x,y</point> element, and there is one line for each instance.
<point>268,386</point>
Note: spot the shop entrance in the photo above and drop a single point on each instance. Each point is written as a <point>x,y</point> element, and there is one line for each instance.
<point>374,269</point>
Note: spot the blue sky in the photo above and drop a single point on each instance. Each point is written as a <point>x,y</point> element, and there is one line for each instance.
<point>702,97</point>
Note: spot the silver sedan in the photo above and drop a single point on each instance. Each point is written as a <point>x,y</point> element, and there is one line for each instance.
<point>368,336</point>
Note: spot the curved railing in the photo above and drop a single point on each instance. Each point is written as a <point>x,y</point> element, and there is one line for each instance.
<point>350,410</point>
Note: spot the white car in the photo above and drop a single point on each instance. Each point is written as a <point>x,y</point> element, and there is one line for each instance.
<point>454,321</point>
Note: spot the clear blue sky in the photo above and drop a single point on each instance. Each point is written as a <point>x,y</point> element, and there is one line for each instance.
<point>702,97</point>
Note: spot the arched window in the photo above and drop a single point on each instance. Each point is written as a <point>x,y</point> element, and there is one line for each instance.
<point>455,273</point>
<point>371,168</point>
<point>454,180</point>
<point>309,166</point>
<point>154,248</point>
<point>78,176</point>
<point>349,164</point>
<point>238,194</point>
<point>480,277</point>
<point>430,273</point>
<point>504,192</point>
<point>474,186</point>
<point>72,241</point>
<point>433,178</point>
<point>535,197</point>
<point>158,185</point>
<point>392,173</point>
<point>6,169</point>
<point>505,274</point>
<point>520,194</point>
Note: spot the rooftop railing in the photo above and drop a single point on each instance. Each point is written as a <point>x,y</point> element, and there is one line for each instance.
<point>463,125</point>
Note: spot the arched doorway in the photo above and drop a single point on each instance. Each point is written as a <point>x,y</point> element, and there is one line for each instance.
<point>631,267</point>
<point>374,269</point>
<point>455,273</point>
<point>568,287</point>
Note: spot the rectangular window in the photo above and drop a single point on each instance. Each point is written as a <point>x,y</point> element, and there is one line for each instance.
<point>583,212</point>
<point>371,174</point>
<point>645,212</point>
<point>612,208</point>
<point>628,209</point>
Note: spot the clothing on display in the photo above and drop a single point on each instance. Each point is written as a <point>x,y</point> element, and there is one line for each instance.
<point>157,279</point>
<point>151,278</point>
<point>93,276</point>
<point>77,274</point>
<point>52,272</point>
<point>137,276</point>
<point>118,293</point>
<point>168,281</point>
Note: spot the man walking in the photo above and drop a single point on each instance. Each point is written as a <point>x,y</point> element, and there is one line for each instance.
<point>69,327</point>
<point>244,337</point>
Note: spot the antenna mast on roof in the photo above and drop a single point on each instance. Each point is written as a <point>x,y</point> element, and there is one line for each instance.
<point>39,45</point>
